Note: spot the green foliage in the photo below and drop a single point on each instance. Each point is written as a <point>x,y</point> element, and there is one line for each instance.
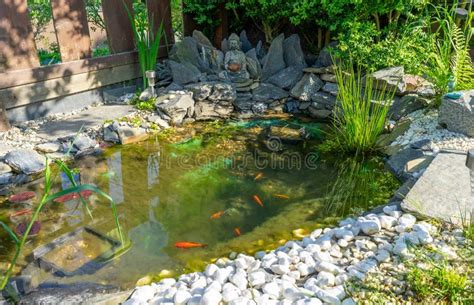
<point>204,13</point>
<point>146,42</point>
<point>372,50</point>
<point>40,15</point>
<point>51,56</point>
<point>93,10</point>
<point>363,111</point>
<point>148,105</point>
<point>450,50</point>
<point>101,51</point>
<point>438,281</point>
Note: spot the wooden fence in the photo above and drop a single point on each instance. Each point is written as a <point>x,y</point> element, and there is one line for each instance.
<point>24,81</point>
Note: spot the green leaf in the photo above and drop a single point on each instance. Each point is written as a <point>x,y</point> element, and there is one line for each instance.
<point>10,233</point>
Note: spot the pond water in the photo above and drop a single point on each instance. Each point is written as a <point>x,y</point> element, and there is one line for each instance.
<point>233,187</point>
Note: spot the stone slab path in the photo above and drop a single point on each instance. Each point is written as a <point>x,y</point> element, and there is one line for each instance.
<point>443,191</point>
<point>86,119</point>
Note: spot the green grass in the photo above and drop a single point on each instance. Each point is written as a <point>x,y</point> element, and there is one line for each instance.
<point>362,112</point>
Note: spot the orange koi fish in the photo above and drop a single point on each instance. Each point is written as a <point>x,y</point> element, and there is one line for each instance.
<point>257,200</point>
<point>281,196</point>
<point>217,215</point>
<point>237,232</point>
<point>188,245</point>
<point>258,176</point>
<point>21,212</point>
<point>65,198</point>
<point>21,197</point>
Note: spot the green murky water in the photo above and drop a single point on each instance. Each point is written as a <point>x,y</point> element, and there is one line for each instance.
<point>168,188</point>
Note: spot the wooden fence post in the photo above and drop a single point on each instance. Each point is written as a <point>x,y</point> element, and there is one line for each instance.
<point>4,124</point>
<point>72,29</point>
<point>160,11</point>
<point>222,30</point>
<point>17,45</point>
<point>117,24</point>
<point>189,25</point>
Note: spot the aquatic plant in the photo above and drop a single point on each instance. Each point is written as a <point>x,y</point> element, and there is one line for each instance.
<point>48,197</point>
<point>146,42</point>
<point>363,108</point>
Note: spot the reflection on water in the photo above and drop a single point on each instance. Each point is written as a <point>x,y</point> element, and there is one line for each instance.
<point>167,191</point>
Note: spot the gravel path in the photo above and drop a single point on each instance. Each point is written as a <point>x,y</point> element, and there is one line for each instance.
<point>311,271</point>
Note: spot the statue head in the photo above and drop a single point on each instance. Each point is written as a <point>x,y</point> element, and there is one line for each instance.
<point>234,42</point>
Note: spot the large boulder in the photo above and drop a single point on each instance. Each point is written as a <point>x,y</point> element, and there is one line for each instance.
<point>201,91</point>
<point>267,92</point>
<point>201,39</point>
<point>324,58</point>
<point>324,100</point>
<point>389,79</point>
<point>246,45</point>
<point>408,162</point>
<point>458,114</point>
<point>293,53</point>
<point>418,85</point>
<point>287,78</point>
<point>176,107</point>
<point>25,161</point>
<point>307,87</point>
<point>274,60</point>
<point>184,73</point>
<point>186,51</point>
<point>209,110</point>
<point>402,106</point>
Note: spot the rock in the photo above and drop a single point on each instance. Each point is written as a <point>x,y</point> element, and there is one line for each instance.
<point>272,289</point>
<point>49,147</point>
<point>146,94</point>
<point>266,92</point>
<point>246,45</point>
<point>292,52</point>
<point>230,293</point>
<point>320,114</point>
<point>129,135</point>
<point>186,52</point>
<point>201,39</point>
<point>419,86</point>
<point>110,133</point>
<point>208,110</point>
<point>184,73</point>
<point>275,60</point>
<point>389,78</point>
<point>331,88</point>
<point>407,221</point>
<point>400,128</point>
<point>176,107</point>
<point>307,87</point>
<point>257,278</point>
<point>210,270</point>
<point>323,100</point>
<point>83,142</point>
<point>239,279</point>
<point>211,297</point>
<point>318,70</point>
<point>382,256</point>
<point>201,91</point>
<point>286,78</point>
<point>286,134</point>
<point>387,222</point>
<point>25,161</point>
<point>407,161</point>
<point>458,115</point>
<point>407,104</point>
<point>223,92</point>
<point>328,77</point>
<point>324,57</point>
<point>182,297</point>
<point>369,226</point>
<point>325,279</point>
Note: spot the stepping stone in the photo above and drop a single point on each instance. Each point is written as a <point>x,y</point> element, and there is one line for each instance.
<point>26,161</point>
<point>443,191</point>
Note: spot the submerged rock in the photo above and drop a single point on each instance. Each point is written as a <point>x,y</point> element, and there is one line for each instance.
<point>26,161</point>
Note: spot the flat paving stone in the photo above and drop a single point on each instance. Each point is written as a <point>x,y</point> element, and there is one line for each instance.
<point>443,191</point>
<point>85,119</point>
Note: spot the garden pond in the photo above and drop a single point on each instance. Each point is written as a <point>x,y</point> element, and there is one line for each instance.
<point>233,187</point>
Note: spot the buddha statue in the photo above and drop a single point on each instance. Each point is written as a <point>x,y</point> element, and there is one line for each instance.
<point>235,61</point>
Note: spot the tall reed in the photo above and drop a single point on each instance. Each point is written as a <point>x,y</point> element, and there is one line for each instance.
<point>146,42</point>
<point>361,111</point>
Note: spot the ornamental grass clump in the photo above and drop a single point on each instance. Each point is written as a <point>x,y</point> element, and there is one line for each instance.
<point>362,111</point>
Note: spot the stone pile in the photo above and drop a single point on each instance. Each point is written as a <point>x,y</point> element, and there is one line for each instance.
<point>310,271</point>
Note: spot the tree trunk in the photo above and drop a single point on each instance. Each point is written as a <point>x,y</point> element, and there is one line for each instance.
<point>4,123</point>
<point>320,38</point>
<point>327,39</point>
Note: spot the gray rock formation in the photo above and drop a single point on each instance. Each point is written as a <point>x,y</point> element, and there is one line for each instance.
<point>25,161</point>
<point>176,107</point>
<point>458,115</point>
<point>266,92</point>
<point>293,53</point>
<point>287,78</point>
<point>307,87</point>
<point>274,61</point>
<point>389,78</point>
<point>184,73</point>
<point>211,110</point>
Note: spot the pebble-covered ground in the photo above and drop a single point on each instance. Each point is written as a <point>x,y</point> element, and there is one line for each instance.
<point>329,266</point>
<point>425,126</point>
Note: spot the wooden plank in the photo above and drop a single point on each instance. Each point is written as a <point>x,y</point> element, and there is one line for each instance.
<point>72,30</point>
<point>189,25</point>
<point>222,30</point>
<point>28,76</point>
<point>117,24</point>
<point>4,123</point>
<point>17,45</point>
<point>41,91</point>
<point>160,11</point>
